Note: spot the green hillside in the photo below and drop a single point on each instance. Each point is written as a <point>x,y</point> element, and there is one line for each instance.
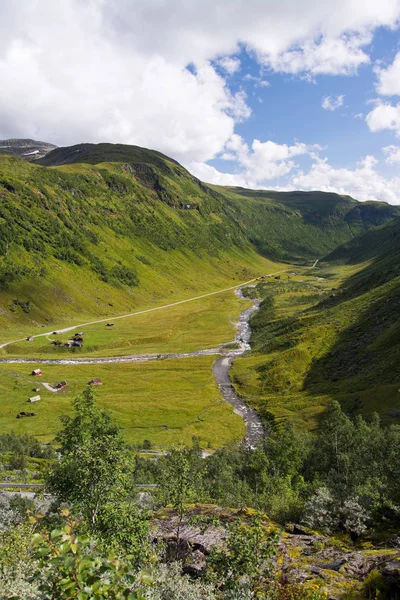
<point>331,335</point>
<point>98,231</point>
<point>110,228</point>
<point>380,248</point>
<point>104,239</point>
<point>294,225</point>
<point>99,153</point>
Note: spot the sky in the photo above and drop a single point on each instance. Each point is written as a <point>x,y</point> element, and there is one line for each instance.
<point>295,94</point>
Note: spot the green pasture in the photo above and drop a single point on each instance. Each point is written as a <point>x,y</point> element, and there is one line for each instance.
<point>200,324</point>
<point>166,402</point>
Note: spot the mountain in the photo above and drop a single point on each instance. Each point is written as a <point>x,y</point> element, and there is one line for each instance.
<point>296,225</point>
<point>97,228</point>
<point>98,153</point>
<point>30,150</point>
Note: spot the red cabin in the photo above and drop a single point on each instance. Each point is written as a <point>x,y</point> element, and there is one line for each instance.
<point>36,372</point>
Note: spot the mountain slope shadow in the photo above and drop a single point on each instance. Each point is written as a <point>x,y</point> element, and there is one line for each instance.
<point>362,369</point>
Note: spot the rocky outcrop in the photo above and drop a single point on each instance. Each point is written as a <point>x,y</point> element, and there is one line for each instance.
<point>333,565</point>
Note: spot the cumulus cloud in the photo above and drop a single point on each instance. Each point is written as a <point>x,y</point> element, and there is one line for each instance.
<point>229,64</point>
<point>389,78</point>
<point>384,116</point>
<point>256,164</point>
<point>142,72</point>
<point>362,183</point>
<point>340,55</point>
<point>392,154</point>
<point>332,102</point>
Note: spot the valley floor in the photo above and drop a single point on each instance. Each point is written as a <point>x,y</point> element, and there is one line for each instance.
<point>166,402</point>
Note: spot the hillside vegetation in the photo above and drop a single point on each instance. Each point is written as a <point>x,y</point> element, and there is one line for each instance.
<point>341,341</point>
<point>99,229</point>
<point>98,240</point>
<point>292,226</point>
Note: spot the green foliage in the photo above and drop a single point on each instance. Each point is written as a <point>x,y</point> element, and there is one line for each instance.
<point>17,563</point>
<point>70,566</point>
<point>246,563</point>
<point>180,483</point>
<point>25,445</point>
<point>268,478</point>
<point>374,585</point>
<point>123,528</point>
<point>345,477</point>
<point>125,275</point>
<point>181,472</point>
<point>10,273</point>
<point>94,467</point>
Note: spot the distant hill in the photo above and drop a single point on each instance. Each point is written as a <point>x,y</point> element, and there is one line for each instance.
<point>296,225</point>
<point>380,247</point>
<point>98,153</point>
<point>342,344</point>
<point>30,150</point>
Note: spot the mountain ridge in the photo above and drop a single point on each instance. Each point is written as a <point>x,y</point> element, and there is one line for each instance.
<point>28,149</point>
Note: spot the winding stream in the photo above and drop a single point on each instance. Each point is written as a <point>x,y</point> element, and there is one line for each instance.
<point>254,426</point>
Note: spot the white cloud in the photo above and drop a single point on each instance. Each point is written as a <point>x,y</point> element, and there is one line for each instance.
<point>341,55</point>
<point>229,64</point>
<point>255,165</point>
<point>362,183</point>
<point>332,102</point>
<point>258,81</point>
<point>392,154</point>
<point>389,78</point>
<point>384,116</point>
<point>210,174</point>
<point>115,70</point>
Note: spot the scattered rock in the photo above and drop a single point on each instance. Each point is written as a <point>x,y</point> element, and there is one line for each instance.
<point>391,574</point>
<point>196,565</point>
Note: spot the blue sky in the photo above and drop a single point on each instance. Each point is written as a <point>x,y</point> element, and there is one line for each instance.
<point>288,95</point>
<point>290,109</point>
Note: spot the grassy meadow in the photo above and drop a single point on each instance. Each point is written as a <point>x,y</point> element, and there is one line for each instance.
<point>166,402</point>
<point>71,295</point>
<point>205,323</point>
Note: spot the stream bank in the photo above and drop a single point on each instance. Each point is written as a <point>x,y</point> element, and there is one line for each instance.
<point>254,426</point>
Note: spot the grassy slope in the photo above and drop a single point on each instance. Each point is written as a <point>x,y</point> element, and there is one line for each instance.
<point>166,402</point>
<point>342,345</point>
<point>92,238</point>
<point>66,234</point>
<point>98,239</point>
<point>295,225</point>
